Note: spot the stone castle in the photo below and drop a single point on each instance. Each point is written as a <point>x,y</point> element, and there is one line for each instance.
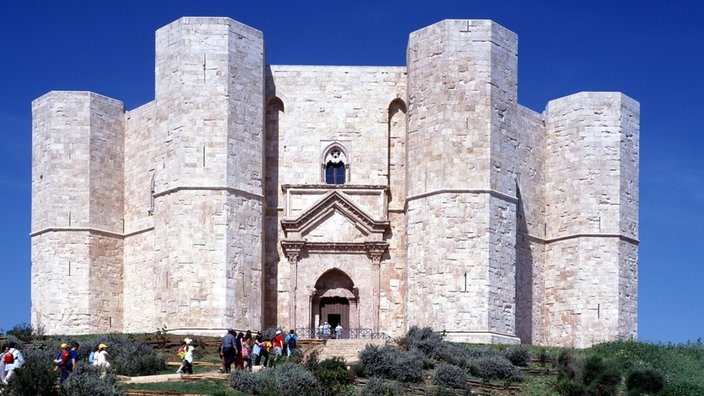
<point>249,195</point>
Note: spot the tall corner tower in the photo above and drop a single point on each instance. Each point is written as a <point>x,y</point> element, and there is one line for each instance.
<point>461,201</point>
<point>77,213</point>
<point>591,268</point>
<point>208,196</point>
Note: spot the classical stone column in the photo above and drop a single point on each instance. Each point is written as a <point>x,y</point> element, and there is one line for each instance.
<point>293,251</point>
<point>375,250</point>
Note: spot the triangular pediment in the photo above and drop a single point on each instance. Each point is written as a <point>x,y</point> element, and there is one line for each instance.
<point>335,210</point>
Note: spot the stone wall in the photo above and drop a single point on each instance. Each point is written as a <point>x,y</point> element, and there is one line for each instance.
<point>77,219</point>
<point>461,188</point>
<point>591,189</point>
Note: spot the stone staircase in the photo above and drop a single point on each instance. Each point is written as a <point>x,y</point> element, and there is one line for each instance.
<point>345,348</point>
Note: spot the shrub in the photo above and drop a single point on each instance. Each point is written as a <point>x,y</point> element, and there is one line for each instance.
<point>568,365</point>
<point>518,355</point>
<point>87,380</point>
<point>381,387</point>
<point>130,357</point>
<point>450,376</point>
<point>288,379</point>
<point>425,340</point>
<point>359,370</point>
<point>600,377</point>
<point>543,357</point>
<point>244,381</point>
<point>567,387</point>
<point>390,363</point>
<point>495,368</point>
<point>644,381</point>
<point>311,361</point>
<point>332,377</point>
<point>36,377</point>
<point>23,332</point>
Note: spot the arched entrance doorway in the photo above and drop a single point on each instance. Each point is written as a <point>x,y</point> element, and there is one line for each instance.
<point>334,301</point>
<point>335,310</point>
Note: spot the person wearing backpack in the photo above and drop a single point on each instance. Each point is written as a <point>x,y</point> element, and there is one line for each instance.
<point>291,342</point>
<point>186,355</point>
<point>14,361</point>
<point>5,348</point>
<point>62,361</point>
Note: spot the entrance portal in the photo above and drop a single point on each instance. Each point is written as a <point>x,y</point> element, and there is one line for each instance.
<point>334,301</point>
<point>335,310</point>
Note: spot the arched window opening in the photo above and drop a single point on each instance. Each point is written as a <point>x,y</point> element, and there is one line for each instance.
<point>335,166</point>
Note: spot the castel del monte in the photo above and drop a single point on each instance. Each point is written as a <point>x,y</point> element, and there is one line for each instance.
<point>248,195</point>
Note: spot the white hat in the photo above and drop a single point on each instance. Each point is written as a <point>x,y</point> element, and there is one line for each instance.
<point>278,331</point>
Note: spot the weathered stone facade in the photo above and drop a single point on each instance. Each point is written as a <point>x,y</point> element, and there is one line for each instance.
<point>249,195</point>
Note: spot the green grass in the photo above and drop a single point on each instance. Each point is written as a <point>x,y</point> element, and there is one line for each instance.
<point>205,387</point>
<point>682,365</point>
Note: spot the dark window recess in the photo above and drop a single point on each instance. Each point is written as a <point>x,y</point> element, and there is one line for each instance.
<point>335,173</point>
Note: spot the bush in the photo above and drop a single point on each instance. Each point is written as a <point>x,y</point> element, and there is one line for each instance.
<point>450,376</point>
<point>518,355</point>
<point>390,363</point>
<point>36,377</point>
<point>23,332</point>
<point>600,377</point>
<point>359,370</point>
<point>425,340</point>
<point>381,387</point>
<point>244,381</point>
<point>495,368</point>
<point>567,387</point>
<point>87,380</point>
<point>644,381</point>
<point>568,365</point>
<point>130,357</point>
<point>332,377</point>
<point>287,379</point>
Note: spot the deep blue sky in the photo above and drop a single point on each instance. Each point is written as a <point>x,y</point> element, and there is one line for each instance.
<point>651,51</point>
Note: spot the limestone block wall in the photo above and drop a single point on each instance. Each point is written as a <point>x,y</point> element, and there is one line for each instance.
<point>326,104</point>
<point>584,257</point>
<point>58,257</point>
<point>77,219</point>
<point>529,160</point>
<point>208,172</point>
<point>462,101</point>
<point>311,107</point>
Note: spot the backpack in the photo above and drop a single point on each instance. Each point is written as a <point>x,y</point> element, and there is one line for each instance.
<point>62,358</point>
<point>291,341</point>
<point>182,352</point>
<point>9,358</point>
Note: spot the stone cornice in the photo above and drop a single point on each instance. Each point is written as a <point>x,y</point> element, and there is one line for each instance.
<point>582,235</point>
<point>231,190</point>
<point>333,187</point>
<point>441,191</point>
<point>375,249</point>
<point>90,230</point>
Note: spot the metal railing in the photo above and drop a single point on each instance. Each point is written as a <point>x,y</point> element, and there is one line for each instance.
<point>305,332</point>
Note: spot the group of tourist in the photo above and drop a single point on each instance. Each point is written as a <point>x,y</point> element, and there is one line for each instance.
<point>67,358</point>
<point>244,350</point>
<point>10,360</point>
<point>326,331</point>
